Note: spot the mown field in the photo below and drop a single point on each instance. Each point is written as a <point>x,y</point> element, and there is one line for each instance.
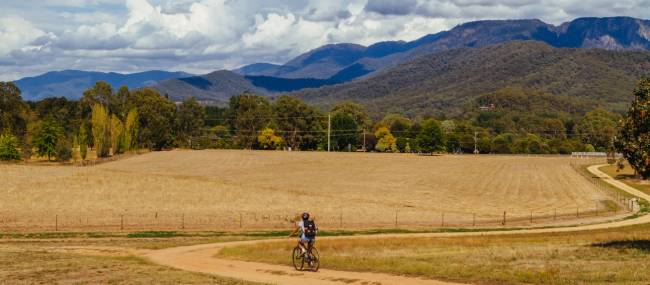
<point>256,189</point>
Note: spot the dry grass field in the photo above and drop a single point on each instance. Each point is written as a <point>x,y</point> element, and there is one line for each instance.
<point>255,189</point>
<point>607,256</point>
<point>73,262</point>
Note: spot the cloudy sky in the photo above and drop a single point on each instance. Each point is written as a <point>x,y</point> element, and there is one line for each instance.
<point>200,36</point>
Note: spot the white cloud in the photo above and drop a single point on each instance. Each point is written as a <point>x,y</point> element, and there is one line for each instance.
<point>16,34</point>
<point>204,35</point>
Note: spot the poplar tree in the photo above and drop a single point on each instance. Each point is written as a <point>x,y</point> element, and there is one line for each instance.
<point>101,130</point>
<point>131,126</point>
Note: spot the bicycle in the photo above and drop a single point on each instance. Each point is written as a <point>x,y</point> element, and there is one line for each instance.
<point>311,258</point>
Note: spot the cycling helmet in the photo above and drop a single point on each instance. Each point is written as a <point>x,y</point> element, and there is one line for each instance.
<point>305,216</point>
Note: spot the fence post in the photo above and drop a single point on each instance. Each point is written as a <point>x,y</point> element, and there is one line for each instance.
<point>531,217</point>
<point>473,219</point>
<point>56,223</point>
<point>443,220</point>
<point>577,212</point>
<point>183,221</point>
<point>122,222</point>
<point>503,222</point>
<point>396,218</point>
<point>341,220</point>
<point>241,217</point>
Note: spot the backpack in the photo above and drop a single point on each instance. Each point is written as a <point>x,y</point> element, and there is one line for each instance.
<point>310,228</point>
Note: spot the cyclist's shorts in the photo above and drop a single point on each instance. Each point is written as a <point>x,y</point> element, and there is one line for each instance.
<point>307,240</point>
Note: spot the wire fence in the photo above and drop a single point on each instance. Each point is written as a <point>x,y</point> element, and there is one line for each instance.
<point>246,221</point>
<point>621,198</point>
<point>619,204</point>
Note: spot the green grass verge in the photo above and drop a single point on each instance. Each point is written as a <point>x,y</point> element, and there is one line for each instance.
<point>254,235</point>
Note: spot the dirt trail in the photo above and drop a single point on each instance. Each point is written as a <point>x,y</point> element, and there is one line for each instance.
<point>200,258</point>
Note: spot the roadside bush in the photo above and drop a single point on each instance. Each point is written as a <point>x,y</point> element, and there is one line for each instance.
<point>63,151</point>
<point>9,147</point>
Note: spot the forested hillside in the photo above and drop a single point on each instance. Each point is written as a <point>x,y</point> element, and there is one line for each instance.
<point>611,33</point>
<point>440,84</point>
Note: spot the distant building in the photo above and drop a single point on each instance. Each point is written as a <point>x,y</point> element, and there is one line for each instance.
<point>487,107</point>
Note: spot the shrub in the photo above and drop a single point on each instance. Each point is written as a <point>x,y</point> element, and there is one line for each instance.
<point>268,140</point>
<point>63,151</point>
<point>9,147</point>
<point>386,141</point>
<point>47,138</point>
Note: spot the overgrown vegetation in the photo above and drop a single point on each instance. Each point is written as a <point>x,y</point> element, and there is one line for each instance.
<point>509,120</point>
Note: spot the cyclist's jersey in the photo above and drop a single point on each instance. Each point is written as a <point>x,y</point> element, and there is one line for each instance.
<point>301,224</point>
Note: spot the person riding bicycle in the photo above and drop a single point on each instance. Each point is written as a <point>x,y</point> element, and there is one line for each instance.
<point>308,231</point>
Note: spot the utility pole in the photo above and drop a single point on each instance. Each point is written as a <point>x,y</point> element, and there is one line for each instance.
<point>475,143</point>
<point>329,130</point>
<point>364,140</point>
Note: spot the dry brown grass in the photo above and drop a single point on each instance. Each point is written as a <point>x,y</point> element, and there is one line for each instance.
<point>592,257</point>
<point>58,263</point>
<point>211,189</point>
<point>626,175</point>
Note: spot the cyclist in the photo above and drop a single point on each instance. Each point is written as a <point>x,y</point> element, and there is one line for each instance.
<point>308,231</point>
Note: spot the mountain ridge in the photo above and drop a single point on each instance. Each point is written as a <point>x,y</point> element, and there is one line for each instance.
<point>72,83</point>
<point>618,33</point>
<point>440,82</point>
<point>339,63</point>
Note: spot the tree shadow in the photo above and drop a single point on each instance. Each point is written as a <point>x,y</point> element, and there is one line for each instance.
<point>622,176</point>
<point>643,245</point>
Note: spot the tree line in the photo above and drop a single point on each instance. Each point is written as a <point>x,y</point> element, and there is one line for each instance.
<point>108,121</point>
<point>111,122</point>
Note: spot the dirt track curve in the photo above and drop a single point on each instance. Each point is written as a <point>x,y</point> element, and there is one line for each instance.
<point>200,258</point>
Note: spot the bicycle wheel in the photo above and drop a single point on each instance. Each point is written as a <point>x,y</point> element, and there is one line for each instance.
<point>298,260</point>
<point>314,263</point>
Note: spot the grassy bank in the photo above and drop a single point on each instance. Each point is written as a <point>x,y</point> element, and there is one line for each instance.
<point>626,175</point>
<point>596,257</point>
<point>49,263</point>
